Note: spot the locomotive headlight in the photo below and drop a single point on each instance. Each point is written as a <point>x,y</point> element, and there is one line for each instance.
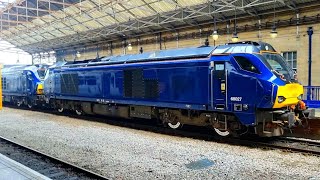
<point>281,99</point>
<point>300,97</point>
<point>245,107</point>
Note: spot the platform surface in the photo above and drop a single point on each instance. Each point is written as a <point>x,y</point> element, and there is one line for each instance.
<point>317,112</point>
<point>12,170</point>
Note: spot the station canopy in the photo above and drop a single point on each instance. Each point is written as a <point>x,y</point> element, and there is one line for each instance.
<point>45,25</point>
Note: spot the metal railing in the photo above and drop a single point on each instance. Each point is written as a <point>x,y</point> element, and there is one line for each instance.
<point>311,96</point>
<point>311,93</point>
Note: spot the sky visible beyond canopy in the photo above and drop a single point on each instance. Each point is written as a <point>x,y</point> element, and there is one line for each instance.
<point>11,55</point>
<point>12,58</point>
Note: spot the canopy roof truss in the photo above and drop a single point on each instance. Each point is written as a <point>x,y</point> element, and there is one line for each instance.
<point>46,25</point>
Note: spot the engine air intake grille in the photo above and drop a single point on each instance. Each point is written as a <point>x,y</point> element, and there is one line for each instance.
<point>69,83</point>
<point>135,86</point>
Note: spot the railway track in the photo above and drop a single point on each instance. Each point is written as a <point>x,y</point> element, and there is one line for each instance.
<point>283,143</point>
<point>298,145</point>
<point>45,164</point>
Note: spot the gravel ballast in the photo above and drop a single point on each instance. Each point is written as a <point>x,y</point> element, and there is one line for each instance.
<point>124,153</point>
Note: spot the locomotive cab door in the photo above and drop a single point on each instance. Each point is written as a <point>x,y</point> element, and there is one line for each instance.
<point>30,85</point>
<point>24,83</point>
<point>219,85</point>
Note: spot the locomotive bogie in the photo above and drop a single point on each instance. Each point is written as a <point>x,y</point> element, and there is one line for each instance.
<point>28,101</point>
<point>173,118</point>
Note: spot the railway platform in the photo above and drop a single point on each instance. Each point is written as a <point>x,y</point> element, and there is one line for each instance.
<point>317,112</point>
<point>12,170</point>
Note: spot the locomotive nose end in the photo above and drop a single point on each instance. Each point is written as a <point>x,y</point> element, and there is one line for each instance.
<point>40,88</point>
<point>287,95</point>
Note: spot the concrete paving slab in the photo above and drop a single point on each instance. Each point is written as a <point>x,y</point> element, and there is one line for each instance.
<point>10,174</point>
<point>10,169</point>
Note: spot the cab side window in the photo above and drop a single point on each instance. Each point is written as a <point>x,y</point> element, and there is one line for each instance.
<point>246,64</point>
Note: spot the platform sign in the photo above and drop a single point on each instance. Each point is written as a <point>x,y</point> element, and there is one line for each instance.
<point>1,66</point>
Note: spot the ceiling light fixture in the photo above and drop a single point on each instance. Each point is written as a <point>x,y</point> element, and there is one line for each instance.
<point>78,54</point>
<point>129,47</point>
<point>274,33</point>
<point>235,37</point>
<point>215,35</point>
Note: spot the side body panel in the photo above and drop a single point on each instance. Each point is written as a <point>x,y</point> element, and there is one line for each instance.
<point>17,84</point>
<point>172,84</point>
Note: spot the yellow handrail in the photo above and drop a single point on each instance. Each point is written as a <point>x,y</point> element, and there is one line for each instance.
<point>0,86</point>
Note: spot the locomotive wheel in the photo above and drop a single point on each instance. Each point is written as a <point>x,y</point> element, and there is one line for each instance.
<point>60,110</point>
<point>19,104</point>
<point>29,105</point>
<point>222,133</point>
<point>79,112</point>
<point>175,125</point>
<point>169,119</point>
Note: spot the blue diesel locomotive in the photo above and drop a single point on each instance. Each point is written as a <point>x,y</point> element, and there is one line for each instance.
<point>23,85</point>
<point>235,88</point>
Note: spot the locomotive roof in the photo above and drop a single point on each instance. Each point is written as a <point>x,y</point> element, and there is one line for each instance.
<point>172,54</point>
<point>16,68</point>
<point>244,47</point>
<point>194,52</point>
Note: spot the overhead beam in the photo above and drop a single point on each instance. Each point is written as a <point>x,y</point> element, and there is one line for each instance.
<point>15,21</point>
<point>27,16</point>
<point>293,8</point>
<point>10,5</point>
<point>62,3</point>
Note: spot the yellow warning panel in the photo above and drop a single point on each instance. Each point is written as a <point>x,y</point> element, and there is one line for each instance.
<point>1,66</point>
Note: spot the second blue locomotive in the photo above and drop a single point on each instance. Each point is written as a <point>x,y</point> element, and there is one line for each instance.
<point>23,85</point>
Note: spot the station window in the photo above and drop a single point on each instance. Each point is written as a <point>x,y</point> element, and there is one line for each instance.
<point>291,58</point>
<point>246,64</point>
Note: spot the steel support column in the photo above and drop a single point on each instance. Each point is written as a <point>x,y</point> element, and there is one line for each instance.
<point>310,32</point>
<point>160,41</point>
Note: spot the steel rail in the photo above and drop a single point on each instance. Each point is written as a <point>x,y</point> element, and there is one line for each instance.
<point>286,144</point>
<point>62,164</point>
<point>290,148</point>
<point>294,139</point>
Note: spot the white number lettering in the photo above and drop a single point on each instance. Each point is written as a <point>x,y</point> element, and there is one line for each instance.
<point>235,98</point>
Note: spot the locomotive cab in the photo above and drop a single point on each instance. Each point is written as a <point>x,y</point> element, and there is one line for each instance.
<point>253,82</point>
